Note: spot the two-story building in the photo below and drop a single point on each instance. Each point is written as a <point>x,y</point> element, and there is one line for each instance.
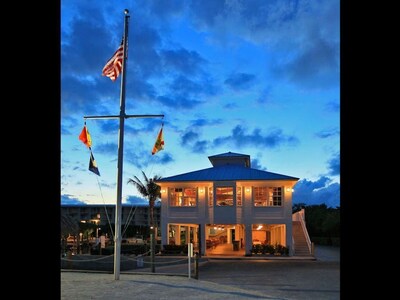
<point>228,203</point>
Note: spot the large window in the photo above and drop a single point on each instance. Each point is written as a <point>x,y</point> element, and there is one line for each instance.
<point>267,196</point>
<point>224,196</point>
<point>182,197</point>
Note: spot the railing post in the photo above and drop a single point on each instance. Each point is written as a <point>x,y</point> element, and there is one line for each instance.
<point>190,254</point>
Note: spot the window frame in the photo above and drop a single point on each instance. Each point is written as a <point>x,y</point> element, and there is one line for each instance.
<point>226,196</point>
<point>182,196</point>
<point>267,196</point>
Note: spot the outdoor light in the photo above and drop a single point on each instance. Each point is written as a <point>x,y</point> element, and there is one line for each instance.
<point>201,190</point>
<point>247,189</point>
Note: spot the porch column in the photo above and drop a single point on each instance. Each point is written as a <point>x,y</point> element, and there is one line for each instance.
<point>248,240</point>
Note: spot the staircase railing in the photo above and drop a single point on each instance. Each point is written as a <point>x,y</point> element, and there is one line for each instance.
<point>300,216</point>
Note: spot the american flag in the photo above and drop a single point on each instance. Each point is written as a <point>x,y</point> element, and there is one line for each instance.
<point>113,66</point>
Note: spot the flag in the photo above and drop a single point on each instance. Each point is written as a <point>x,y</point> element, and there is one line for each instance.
<point>113,66</point>
<point>85,137</point>
<point>93,165</point>
<point>159,144</point>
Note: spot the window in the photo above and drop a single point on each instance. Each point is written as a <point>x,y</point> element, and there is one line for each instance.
<point>239,196</point>
<point>210,196</point>
<point>260,196</point>
<point>224,196</point>
<point>264,196</point>
<point>182,197</point>
<point>275,196</point>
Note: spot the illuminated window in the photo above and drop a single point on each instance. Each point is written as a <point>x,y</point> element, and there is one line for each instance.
<point>264,196</point>
<point>182,197</point>
<point>224,196</point>
<point>239,196</point>
<point>275,194</point>
<point>210,196</point>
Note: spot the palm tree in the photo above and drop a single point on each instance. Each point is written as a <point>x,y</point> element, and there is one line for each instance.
<point>148,189</point>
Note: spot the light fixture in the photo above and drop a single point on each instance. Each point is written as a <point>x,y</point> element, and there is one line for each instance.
<point>247,189</point>
<point>162,191</point>
<point>201,190</point>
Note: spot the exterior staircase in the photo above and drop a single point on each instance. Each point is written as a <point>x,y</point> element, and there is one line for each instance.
<point>300,242</point>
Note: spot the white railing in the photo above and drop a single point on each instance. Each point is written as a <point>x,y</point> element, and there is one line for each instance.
<point>300,216</point>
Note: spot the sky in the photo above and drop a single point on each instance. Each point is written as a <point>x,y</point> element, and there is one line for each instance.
<point>254,77</point>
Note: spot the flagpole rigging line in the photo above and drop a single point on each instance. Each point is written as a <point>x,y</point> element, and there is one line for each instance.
<point>105,208</point>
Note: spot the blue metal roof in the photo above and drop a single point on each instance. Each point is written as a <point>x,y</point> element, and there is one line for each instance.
<point>227,172</point>
<point>229,154</point>
<point>230,158</point>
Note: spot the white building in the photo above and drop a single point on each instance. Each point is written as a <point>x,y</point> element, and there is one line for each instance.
<point>229,203</point>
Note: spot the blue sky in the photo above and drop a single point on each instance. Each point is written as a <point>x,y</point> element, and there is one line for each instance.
<point>254,77</point>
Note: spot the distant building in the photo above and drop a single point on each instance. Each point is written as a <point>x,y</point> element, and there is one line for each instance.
<point>104,214</point>
<point>229,202</point>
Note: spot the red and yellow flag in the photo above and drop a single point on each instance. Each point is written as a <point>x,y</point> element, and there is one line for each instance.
<point>85,137</point>
<point>159,144</point>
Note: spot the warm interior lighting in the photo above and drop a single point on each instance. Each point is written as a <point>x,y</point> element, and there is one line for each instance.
<point>247,189</point>
<point>259,227</point>
<point>162,191</point>
<point>201,190</point>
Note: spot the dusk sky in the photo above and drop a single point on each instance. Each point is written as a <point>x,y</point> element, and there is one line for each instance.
<point>253,77</point>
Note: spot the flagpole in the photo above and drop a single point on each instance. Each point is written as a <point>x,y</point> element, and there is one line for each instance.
<point>118,208</point>
<point>122,116</point>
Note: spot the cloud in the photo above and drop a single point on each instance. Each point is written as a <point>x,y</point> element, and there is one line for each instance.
<point>255,164</point>
<point>231,105</point>
<point>298,30</point>
<point>107,148</point>
<point>333,106</point>
<point>142,159</point>
<point>265,96</point>
<point>315,67</point>
<point>68,200</point>
<point>189,137</point>
<point>317,192</point>
<point>239,138</point>
<point>201,122</point>
<point>323,134</point>
<point>334,165</point>
<point>170,8</point>
<point>240,81</point>
<point>184,61</point>
<point>179,101</point>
